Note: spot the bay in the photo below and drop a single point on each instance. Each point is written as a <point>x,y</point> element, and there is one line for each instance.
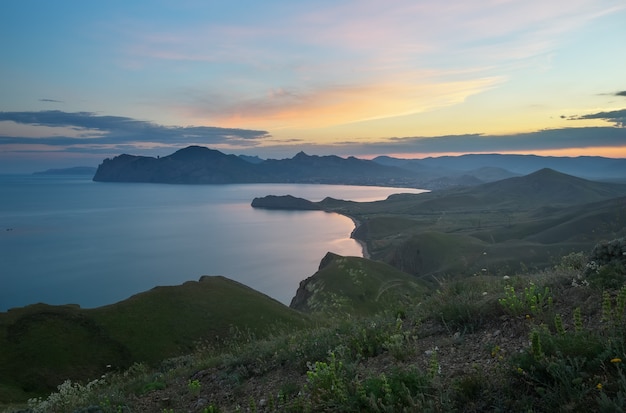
<point>67,239</point>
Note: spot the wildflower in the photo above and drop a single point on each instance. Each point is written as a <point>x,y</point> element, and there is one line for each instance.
<point>616,360</point>
<point>599,386</point>
<point>520,370</point>
<point>528,316</point>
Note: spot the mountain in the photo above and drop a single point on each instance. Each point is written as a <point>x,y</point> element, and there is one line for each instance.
<point>590,167</point>
<point>251,159</point>
<point>194,164</point>
<point>200,165</point>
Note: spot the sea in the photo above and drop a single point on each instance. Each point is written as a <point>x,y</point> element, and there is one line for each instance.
<point>69,240</point>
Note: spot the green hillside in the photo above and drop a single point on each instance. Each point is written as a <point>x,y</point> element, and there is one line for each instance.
<point>43,345</point>
<point>352,286</point>
<point>500,227</point>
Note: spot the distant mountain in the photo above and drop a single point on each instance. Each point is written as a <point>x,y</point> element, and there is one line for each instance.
<point>191,165</point>
<point>200,165</point>
<point>251,159</point>
<point>548,186</point>
<point>543,188</point>
<point>590,167</point>
<point>77,170</point>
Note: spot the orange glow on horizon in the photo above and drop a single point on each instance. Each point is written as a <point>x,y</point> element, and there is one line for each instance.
<point>617,152</point>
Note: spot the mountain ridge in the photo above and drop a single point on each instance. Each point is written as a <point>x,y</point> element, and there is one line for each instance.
<point>201,165</point>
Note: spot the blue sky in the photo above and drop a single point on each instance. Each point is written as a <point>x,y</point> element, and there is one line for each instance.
<point>85,80</point>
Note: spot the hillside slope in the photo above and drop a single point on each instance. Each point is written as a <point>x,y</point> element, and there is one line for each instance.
<point>355,286</point>
<point>498,227</point>
<point>43,345</point>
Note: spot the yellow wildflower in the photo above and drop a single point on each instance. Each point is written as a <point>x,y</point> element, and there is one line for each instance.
<point>616,360</point>
<point>599,386</point>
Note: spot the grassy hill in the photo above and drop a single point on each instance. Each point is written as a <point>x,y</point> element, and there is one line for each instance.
<point>356,287</point>
<point>43,345</point>
<point>501,227</point>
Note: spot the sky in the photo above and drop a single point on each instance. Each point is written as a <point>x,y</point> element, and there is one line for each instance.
<point>81,81</point>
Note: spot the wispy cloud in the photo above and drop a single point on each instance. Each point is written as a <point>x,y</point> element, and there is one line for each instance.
<point>546,141</point>
<point>340,63</point>
<point>81,130</point>
<point>341,103</point>
<point>50,100</point>
<point>618,117</point>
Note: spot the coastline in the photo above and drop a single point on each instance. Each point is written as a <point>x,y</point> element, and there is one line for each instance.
<point>362,243</point>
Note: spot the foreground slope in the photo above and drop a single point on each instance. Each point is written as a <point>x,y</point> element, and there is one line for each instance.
<point>43,345</point>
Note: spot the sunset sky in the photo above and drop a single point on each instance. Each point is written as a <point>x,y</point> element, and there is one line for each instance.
<point>84,80</point>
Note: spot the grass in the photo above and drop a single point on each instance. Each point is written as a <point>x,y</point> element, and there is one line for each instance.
<point>483,343</point>
<point>357,287</point>
<point>43,345</point>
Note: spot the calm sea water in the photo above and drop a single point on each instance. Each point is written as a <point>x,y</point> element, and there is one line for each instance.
<point>70,240</point>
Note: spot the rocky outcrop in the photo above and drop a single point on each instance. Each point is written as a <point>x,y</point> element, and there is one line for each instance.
<point>285,202</point>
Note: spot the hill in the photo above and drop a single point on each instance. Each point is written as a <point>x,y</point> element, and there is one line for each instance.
<point>43,345</point>
<point>497,227</point>
<point>356,287</point>
<point>535,342</point>
<point>589,167</point>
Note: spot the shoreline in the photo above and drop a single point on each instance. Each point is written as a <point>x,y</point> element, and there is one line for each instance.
<point>365,252</point>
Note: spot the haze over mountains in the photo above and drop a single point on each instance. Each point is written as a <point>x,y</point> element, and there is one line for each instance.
<point>200,165</point>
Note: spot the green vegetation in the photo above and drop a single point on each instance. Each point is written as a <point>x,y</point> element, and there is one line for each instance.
<point>352,286</point>
<point>530,342</point>
<point>43,345</point>
<point>505,297</point>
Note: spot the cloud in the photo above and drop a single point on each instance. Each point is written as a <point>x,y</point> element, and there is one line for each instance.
<point>341,62</point>
<point>544,140</point>
<point>621,93</point>
<point>87,128</point>
<point>569,141</point>
<point>618,117</point>
<point>340,104</point>
<point>50,100</point>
